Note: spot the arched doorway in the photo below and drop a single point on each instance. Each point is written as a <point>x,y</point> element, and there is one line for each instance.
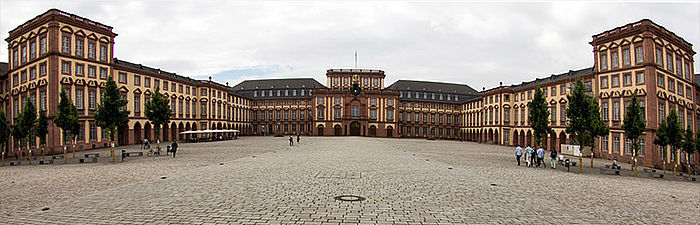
<point>337,130</point>
<point>355,128</point>
<point>515,138</point>
<point>552,141</point>
<point>137,133</point>
<point>372,131</point>
<point>529,138</point>
<point>320,130</point>
<point>164,132</point>
<point>562,139</point>
<point>389,131</point>
<point>173,132</point>
<point>181,128</point>
<point>147,131</point>
<point>123,135</point>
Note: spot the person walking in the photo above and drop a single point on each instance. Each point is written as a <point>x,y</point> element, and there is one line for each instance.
<point>298,138</point>
<point>518,153</point>
<point>540,157</point>
<point>553,159</point>
<point>174,148</point>
<point>528,155</point>
<point>291,141</point>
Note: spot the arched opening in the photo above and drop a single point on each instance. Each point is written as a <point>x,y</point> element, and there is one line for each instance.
<point>320,130</point>
<point>164,133</point>
<point>495,137</point>
<point>489,137</point>
<point>188,128</point>
<point>147,132</point>
<point>372,131</point>
<point>137,133</point>
<point>337,130</point>
<point>355,128</point>
<point>173,132</point>
<point>180,128</point>
<point>529,138</point>
<point>389,131</point>
<point>123,135</point>
<point>515,139</point>
<point>552,141</point>
<point>562,139</point>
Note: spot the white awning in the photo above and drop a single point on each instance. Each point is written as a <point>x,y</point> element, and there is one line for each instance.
<point>208,131</point>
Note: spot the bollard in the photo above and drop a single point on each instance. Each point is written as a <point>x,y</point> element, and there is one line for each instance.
<point>123,154</point>
<point>65,155</point>
<point>30,157</point>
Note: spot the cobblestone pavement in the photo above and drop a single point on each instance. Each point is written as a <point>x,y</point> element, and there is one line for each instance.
<point>260,180</point>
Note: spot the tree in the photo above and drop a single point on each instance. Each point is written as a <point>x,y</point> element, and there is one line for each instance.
<point>67,119</point>
<point>584,119</point>
<point>158,112</point>
<point>670,133</point>
<point>24,124</point>
<point>111,112</point>
<point>4,134</point>
<point>538,116</point>
<point>42,129</point>
<point>634,126</point>
<point>688,144</point>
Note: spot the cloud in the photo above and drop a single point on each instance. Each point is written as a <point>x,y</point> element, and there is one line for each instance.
<point>479,44</point>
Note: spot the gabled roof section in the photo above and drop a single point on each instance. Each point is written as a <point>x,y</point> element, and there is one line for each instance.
<point>571,75</point>
<point>283,83</point>
<point>431,86</point>
<point>150,70</point>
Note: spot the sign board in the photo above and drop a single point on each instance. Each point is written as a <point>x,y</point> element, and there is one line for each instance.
<point>574,150</point>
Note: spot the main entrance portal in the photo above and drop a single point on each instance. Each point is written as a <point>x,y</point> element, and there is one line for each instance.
<point>355,128</point>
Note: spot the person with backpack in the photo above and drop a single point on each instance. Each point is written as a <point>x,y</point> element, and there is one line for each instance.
<point>553,159</point>
<point>540,157</point>
<point>528,156</point>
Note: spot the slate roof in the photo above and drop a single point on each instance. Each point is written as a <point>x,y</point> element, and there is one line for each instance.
<point>571,75</point>
<point>293,83</point>
<point>150,70</point>
<point>430,86</point>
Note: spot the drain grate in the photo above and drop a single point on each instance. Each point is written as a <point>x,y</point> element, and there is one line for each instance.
<point>349,198</point>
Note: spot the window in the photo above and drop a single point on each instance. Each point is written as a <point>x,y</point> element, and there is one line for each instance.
<point>203,109</point>
<point>680,88</point>
<point>42,69</point>
<point>640,77</point>
<point>614,60</point>
<point>93,132</point>
<point>147,82</point>
<point>553,113</point>
<point>78,98</point>
<point>662,111</point>
<point>562,89</point>
<point>616,111</point>
<point>103,73</point>
<point>660,81</point>
<point>627,78</point>
<point>79,47</point>
<point>638,53</point>
<point>679,66</point>
<point>103,52</point>
<point>319,113</point>
<point>79,69</point>
<point>659,57</point>
<point>615,81</point>
<point>603,60</point>
<point>669,61</point>
<point>563,113</point>
<point>604,143</point>
<point>42,100</point>
<point>605,110</point>
<point>522,115</point>
<point>92,71</point>
<point>373,101</point>
<point>137,104</point>
<point>32,50</point>
<point>641,145</point>
<point>65,67</point>
<point>66,44</point>
<point>604,82</point>
<point>642,105</point>
<point>337,100</point>
<point>671,85</point>
<point>390,102</point>
<point>137,80</point>
<point>42,45</point>
<point>319,100</point>
<point>122,77</point>
<point>626,57</point>
<point>373,114</point>
<point>91,50</point>
<point>91,99</point>
<point>554,92</point>
<point>616,144</point>
<point>628,146</point>
<point>375,82</point>
<point>689,93</point>
<point>32,73</point>
<point>173,87</point>
<point>24,54</point>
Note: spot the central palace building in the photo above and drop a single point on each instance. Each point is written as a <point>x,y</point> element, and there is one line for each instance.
<point>58,50</point>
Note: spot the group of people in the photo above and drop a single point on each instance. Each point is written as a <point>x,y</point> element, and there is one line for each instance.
<point>291,140</point>
<point>147,145</point>
<point>536,157</point>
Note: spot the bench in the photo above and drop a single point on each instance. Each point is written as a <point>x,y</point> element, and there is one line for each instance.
<point>653,173</point>
<point>614,168</point>
<point>566,162</point>
<point>45,161</point>
<point>57,157</point>
<point>94,155</point>
<point>88,160</point>
<point>130,154</point>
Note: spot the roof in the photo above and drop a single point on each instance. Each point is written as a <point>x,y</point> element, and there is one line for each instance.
<point>431,86</point>
<point>571,75</point>
<point>150,70</point>
<point>278,83</point>
<point>3,69</point>
<point>696,77</point>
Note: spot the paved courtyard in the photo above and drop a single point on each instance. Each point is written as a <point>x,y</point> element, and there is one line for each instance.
<point>262,180</point>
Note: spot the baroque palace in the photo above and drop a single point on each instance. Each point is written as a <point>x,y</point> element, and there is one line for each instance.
<point>58,50</point>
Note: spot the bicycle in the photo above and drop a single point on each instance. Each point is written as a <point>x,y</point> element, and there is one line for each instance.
<point>152,152</point>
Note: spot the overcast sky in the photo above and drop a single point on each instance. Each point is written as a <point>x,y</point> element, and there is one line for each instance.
<point>479,44</point>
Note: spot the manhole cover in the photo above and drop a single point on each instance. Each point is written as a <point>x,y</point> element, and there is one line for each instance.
<point>349,198</point>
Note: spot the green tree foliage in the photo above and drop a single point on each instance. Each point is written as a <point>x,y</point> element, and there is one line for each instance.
<point>67,116</point>
<point>634,125</point>
<point>688,144</point>
<point>670,133</point>
<point>25,121</point>
<point>158,111</point>
<point>538,116</point>
<point>584,117</point>
<point>110,113</point>
<point>42,127</point>
<point>4,131</point>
